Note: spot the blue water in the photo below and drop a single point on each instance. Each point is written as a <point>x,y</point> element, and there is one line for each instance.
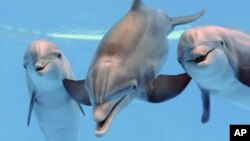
<point>76,26</point>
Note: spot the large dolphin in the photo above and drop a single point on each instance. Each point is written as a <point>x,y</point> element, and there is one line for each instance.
<point>217,59</point>
<point>126,64</point>
<point>57,114</point>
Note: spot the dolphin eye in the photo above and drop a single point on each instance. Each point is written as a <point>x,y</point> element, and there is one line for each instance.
<point>134,87</point>
<point>59,55</point>
<point>24,66</point>
<point>221,43</point>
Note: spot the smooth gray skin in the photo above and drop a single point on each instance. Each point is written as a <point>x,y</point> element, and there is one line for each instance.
<point>217,59</point>
<point>57,114</point>
<point>126,63</point>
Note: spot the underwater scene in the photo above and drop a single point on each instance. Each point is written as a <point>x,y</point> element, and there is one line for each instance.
<point>174,74</point>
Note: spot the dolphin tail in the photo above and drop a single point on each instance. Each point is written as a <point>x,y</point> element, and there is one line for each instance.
<point>77,91</point>
<point>187,19</point>
<point>205,97</point>
<point>32,102</point>
<point>165,87</point>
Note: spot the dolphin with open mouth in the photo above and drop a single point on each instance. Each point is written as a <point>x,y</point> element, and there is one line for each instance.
<point>217,59</point>
<point>126,64</point>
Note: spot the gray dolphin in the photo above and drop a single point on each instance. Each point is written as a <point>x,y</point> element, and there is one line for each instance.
<point>126,64</point>
<point>57,114</point>
<point>217,59</point>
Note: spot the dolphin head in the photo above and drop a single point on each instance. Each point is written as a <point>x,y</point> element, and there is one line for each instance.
<point>111,88</point>
<point>201,52</point>
<point>43,61</point>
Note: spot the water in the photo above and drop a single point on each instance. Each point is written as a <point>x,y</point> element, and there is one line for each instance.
<point>76,27</point>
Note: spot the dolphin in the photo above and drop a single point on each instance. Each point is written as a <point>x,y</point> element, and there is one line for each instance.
<point>126,64</point>
<point>57,113</point>
<point>217,59</point>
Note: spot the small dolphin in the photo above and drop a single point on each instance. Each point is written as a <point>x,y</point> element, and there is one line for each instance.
<point>57,114</point>
<point>126,64</point>
<point>217,59</point>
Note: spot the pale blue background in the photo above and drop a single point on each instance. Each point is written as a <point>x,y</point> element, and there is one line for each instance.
<point>176,120</point>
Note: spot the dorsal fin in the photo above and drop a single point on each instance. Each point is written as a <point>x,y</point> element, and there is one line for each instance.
<point>136,4</point>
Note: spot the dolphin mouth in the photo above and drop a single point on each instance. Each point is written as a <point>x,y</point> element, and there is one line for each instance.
<point>201,58</point>
<point>40,68</point>
<point>101,127</point>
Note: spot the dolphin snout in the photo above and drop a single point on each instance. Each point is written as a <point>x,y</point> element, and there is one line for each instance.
<point>199,51</point>
<point>100,115</point>
<point>101,111</point>
<point>40,65</point>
